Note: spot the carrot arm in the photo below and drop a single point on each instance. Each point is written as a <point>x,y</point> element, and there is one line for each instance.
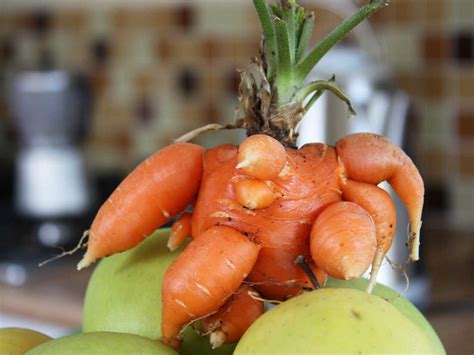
<point>158,189</point>
<point>372,158</point>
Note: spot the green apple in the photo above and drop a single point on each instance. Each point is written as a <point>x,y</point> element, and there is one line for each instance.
<point>124,294</point>
<point>334,320</point>
<point>20,340</point>
<point>103,343</point>
<point>399,302</point>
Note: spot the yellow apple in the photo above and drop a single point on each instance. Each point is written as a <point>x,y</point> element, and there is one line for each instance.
<point>20,340</point>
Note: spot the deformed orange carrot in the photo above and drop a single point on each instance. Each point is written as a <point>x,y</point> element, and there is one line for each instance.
<point>234,317</point>
<point>158,189</point>
<point>208,271</point>
<point>343,240</point>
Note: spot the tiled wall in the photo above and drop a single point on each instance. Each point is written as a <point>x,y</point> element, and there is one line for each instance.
<point>160,70</point>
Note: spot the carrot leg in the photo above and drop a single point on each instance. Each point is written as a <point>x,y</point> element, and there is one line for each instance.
<point>208,271</point>
<point>343,240</point>
<point>234,317</point>
<point>158,189</point>
<point>180,230</point>
<point>371,158</point>
<point>379,204</point>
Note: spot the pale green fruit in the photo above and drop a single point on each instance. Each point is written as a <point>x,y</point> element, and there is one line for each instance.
<point>400,303</point>
<point>103,343</point>
<point>124,292</point>
<point>124,295</point>
<point>20,340</point>
<point>333,321</point>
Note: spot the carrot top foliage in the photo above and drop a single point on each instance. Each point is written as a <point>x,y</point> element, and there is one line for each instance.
<point>274,95</point>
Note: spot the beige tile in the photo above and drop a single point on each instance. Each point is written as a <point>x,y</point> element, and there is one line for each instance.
<point>401,47</point>
<point>27,50</point>
<point>437,123</point>
<point>99,22</point>
<point>462,202</point>
<point>224,19</point>
<point>140,49</point>
<point>460,14</point>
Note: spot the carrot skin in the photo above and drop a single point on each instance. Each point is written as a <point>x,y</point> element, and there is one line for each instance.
<point>261,157</point>
<point>180,230</point>
<point>343,240</point>
<point>158,189</point>
<point>276,276</point>
<point>208,271</point>
<point>378,203</point>
<point>234,317</point>
<point>372,159</point>
<point>253,194</point>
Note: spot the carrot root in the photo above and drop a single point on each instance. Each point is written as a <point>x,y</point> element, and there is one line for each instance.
<point>208,271</point>
<point>234,317</point>
<point>180,230</point>
<point>343,240</point>
<point>372,159</point>
<point>378,259</point>
<point>81,244</point>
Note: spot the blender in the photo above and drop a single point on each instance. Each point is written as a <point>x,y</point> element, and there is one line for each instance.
<point>52,193</point>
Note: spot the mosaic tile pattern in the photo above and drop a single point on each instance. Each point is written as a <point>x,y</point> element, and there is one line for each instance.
<point>161,70</point>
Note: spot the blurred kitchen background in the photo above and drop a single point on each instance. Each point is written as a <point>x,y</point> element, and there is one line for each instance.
<point>88,89</point>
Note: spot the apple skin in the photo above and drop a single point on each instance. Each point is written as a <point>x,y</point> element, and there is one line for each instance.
<point>334,320</point>
<point>103,343</point>
<point>124,292</point>
<point>20,340</point>
<point>124,295</point>
<point>398,301</point>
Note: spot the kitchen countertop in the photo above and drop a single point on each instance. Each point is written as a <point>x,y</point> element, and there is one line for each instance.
<point>53,293</point>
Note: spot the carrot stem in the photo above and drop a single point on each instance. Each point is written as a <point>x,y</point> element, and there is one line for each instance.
<point>323,85</point>
<point>304,68</point>
<point>269,35</point>
<point>302,263</point>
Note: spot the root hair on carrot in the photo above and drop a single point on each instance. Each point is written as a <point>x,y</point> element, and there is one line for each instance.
<point>401,268</point>
<point>80,245</point>
<point>257,297</point>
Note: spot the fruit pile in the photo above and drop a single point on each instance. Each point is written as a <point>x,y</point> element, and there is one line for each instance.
<point>269,223</point>
<point>122,312</point>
